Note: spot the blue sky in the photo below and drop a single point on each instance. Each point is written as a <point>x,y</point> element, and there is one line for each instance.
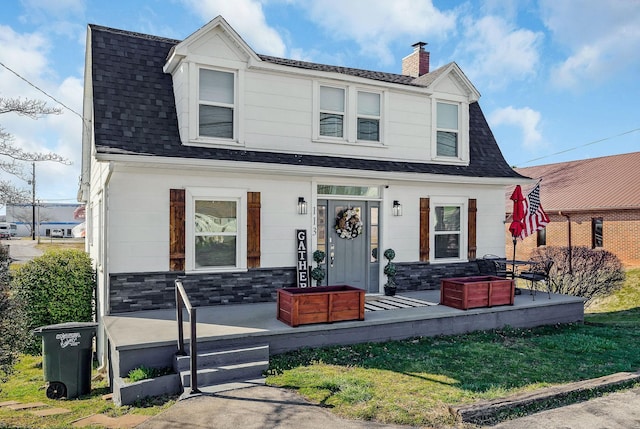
<point>560,79</point>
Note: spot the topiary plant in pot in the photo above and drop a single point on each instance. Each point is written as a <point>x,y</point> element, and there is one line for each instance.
<point>318,272</point>
<point>390,271</point>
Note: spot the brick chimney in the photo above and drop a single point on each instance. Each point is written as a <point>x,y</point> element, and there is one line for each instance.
<point>417,63</point>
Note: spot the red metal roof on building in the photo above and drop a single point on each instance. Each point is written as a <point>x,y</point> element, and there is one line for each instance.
<point>610,182</point>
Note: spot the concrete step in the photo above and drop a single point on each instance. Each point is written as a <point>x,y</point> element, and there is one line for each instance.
<point>224,387</point>
<point>226,373</point>
<point>224,366</point>
<point>209,359</point>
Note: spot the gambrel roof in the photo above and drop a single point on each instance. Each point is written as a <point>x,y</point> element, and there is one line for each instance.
<point>134,112</point>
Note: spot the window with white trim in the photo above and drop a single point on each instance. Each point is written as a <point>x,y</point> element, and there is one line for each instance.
<point>447,130</point>
<point>368,118</point>
<point>448,229</point>
<point>348,114</point>
<point>216,230</point>
<point>216,104</point>
<point>332,110</point>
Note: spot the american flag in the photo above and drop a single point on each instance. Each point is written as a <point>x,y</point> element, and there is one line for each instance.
<point>535,219</point>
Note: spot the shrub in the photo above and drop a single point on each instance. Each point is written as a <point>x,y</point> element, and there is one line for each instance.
<point>143,373</point>
<point>10,315</point>
<point>56,287</point>
<point>594,272</point>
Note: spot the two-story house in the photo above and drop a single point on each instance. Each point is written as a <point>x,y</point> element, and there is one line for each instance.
<point>203,158</point>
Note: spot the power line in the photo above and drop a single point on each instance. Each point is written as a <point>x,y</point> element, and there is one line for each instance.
<point>42,91</point>
<point>584,145</point>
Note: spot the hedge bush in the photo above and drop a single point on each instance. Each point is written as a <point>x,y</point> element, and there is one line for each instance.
<point>56,287</point>
<point>10,316</point>
<point>594,272</point>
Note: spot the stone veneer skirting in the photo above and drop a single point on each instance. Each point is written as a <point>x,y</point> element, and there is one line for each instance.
<point>156,290</point>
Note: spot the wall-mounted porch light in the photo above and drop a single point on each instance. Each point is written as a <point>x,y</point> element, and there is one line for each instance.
<point>397,208</point>
<point>302,206</point>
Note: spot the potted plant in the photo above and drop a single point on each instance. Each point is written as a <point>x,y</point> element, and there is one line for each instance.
<point>318,272</point>
<point>390,271</point>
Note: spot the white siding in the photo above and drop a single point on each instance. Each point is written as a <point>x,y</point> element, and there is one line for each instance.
<point>278,111</point>
<point>139,214</point>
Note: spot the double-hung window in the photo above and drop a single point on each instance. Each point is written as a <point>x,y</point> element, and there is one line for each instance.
<point>447,232</point>
<point>332,111</point>
<point>447,130</point>
<point>216,95</point>
<point>368,116</point>
<point>216,229</point>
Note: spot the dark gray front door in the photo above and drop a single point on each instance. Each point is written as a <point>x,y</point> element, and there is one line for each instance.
<point>352,261</point>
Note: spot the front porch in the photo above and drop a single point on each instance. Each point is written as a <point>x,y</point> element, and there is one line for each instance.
<point>150,337</point>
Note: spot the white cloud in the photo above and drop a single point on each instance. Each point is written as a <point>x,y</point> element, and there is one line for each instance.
<point>247,18</point>
<point>603,39</point>
<point>526,119</point>
<point>58,17</point>
<point>496,52</point>
<point>23,53</point>
<point>375,24</point>
<point>28,55</point>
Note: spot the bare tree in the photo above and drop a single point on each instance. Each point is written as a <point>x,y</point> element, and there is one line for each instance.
<point>14,157</point>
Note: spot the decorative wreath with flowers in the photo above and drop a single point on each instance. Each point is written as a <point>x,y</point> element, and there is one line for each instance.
<point>348,224</point>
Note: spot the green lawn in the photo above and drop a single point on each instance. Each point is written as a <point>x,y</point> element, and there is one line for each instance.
<point>621,308</point>
<point>405,382</point>
<point>27,385</point>
<point>414,381</point>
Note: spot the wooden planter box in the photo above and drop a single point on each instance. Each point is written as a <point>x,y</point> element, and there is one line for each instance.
<point>324,304</point>
<point>474,292</point>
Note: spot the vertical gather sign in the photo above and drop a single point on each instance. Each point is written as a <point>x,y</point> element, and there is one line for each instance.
<point>302,266</point>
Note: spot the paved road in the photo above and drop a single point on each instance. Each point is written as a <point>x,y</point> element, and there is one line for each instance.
<point>22,250</point>
<point>263,407</point>
<point>620,410</point>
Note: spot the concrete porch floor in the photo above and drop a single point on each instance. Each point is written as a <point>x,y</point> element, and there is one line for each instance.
<point>150,337</point>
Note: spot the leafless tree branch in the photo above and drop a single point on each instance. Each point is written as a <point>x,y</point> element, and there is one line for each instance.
<point>27,107</point>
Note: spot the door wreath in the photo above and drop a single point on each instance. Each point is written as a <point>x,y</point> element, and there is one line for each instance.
<point>348,224</point>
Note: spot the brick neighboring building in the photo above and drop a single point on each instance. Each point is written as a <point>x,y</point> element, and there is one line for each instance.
<point>598,199</point>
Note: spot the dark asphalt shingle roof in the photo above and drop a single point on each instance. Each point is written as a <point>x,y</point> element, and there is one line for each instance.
<point>135,113</point>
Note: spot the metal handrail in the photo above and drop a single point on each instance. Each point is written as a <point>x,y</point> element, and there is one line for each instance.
<point>183,300</point>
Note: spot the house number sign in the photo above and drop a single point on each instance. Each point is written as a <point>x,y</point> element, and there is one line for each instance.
<point>302,266</point>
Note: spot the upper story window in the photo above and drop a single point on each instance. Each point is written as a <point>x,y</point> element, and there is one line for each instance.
<point>447,130</point>
<point>348,114</point>
<point>216,96</point>
<point>368,116</point>
<point>332,103</point>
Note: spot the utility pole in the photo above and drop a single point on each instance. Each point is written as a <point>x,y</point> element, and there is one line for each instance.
<point>33,201</point>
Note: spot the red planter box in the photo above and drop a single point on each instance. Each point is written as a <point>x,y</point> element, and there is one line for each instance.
<point>323,304</point>
<point>474,292</point>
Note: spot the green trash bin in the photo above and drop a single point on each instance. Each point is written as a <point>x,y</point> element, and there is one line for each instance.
<point>67,358</point>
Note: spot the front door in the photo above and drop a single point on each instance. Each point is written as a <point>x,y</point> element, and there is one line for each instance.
<point>351,242</point>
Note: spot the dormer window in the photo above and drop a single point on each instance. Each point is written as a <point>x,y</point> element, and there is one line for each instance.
<point>216,104</point>
<point>368,116</point>
<point>332,111</point>
<point>447,131</point>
